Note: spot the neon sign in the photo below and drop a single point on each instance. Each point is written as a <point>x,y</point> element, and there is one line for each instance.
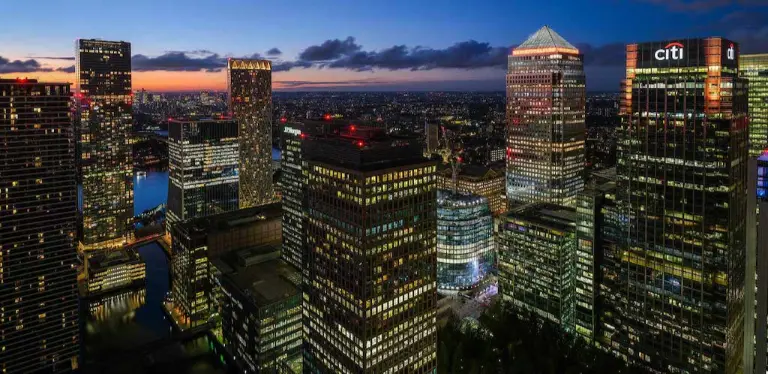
<point>673,51</point>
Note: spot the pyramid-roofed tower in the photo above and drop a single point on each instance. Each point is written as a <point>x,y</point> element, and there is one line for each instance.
<point>546,39</point>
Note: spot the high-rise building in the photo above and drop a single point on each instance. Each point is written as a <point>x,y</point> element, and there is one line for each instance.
<point>546,102</point>
<point>755,69</point>
<point>432,134</point>
<point>38,218</point>
<point>465,245</point>
<point>260,308</point>
<point>293,184</point>
<point>537,248</point>
<point>105,163</point>
<point>757,238</point>
<point>370,297</point>
<point>202,168</point>
<point>195,241</point>
<point>681,196</point>
<point>250,103</point>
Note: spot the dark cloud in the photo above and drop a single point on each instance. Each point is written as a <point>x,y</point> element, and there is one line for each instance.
<point>613,54</point>
<point>21,66</point>
<point>274,52</point>
<point>749,29</point>
<point>67,58</point>
<point>67,69</point>
<point>179,61</point>
<point>279,66</point>
<point>330,50</point>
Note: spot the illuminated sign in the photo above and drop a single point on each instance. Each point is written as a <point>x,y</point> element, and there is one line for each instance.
<point>673,51</point>
<point>292,131</point>
<point>731,53</point>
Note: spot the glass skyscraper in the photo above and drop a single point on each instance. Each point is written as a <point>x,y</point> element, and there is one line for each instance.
<point>370,296</point>
<point>250,103</point>
<point>39,328</point>
<point>293,184</point>
<point>681,197</point>
<point>202,167</point>
<point>465,246</point>
<point>546,101</point>
<point>104,156</point>
<point>755,69</point>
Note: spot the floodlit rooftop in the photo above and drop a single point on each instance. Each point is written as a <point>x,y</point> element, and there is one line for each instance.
<point>545,40</point>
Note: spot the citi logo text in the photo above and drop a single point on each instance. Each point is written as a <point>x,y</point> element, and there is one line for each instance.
<point>731,53</point>
<point>673,51</point>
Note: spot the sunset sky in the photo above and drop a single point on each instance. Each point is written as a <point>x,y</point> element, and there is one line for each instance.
<point>355,45</point>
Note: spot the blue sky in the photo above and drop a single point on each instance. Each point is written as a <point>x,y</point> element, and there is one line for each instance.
<point>36,29</point>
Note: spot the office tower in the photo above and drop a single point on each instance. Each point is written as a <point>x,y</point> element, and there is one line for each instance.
<point>105,164</point>
<point>195,241</point>
<point>681,194</point>
<point>293,183</point>
<point>202,168</point>
<point>757,228</point>
<point>260,308</point>
<point>537,246</point>
<point>755,69</point>
<point>545,120</point>
<point>38,217</point>
<point>432,133</point>
<point>370,300</point>
<point>486,181</point>
<point>465,247</point>
<point>250,103</point>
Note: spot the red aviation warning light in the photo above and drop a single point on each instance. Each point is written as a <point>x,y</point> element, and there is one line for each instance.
<point>283,120</point>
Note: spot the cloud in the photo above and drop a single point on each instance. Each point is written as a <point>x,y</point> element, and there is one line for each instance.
<point>613,54</point>
<point>274,52</point>
<point>21,66</point>
<point>179,61</point>
<point>67,58</point>
<point>749,29</point>
<point>279,66</point>
<point>67,69</point>
<point>331,49</point>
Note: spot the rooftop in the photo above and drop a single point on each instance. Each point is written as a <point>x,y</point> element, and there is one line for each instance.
<point>114,258</point>
<point>545,214</point>
<point>545,40</point>
<point>260,274</point>
<point>235,218</point>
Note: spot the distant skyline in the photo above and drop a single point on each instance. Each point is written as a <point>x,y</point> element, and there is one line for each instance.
<point>352,45</point>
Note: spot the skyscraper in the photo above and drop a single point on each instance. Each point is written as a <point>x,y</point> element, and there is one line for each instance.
<point>105,164</point>
<point>545,120</point>
<point>755,69</point>
<point>203,168</point>
<point>38,216</point>
<point>250,101</point>
<point>465,247</point>
<point>293,184</point>
<point>681,196</point>
<point>370,300</point>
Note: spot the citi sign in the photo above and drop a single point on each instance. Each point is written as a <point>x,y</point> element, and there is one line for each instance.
<point>673,51</point>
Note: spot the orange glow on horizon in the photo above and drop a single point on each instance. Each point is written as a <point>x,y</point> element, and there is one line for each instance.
<point>540,51</point>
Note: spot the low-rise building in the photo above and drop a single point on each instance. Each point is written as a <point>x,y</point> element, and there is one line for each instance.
<point>109,271</point>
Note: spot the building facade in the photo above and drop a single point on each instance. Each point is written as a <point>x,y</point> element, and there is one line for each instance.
<point>293,183</point>
<point>196,241</point>
<point>537,248</point>
<point>103,131</point>
<point>116,269</point>
<point>370,297</point>
<point>260,309</point>
<point>465,245</point>
<point>546,103</point>
<point>755,69</point>
<point>250,103</point>
<point>682,173</point>
<point>488,182</point>
<point>38,196</point>
<point>202,168</point>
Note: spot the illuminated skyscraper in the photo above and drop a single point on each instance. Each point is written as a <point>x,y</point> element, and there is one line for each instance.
<point>681,197</point>
<point>38,217</point>
<point>370,297</point>
<point>105,163</point>
<point>465,247</point>
<point>203,168</point>
<point>545,120</point>
<point>293,184</point>
<point>755,69</point>
<point>757,237</point>
<point>250,101</point>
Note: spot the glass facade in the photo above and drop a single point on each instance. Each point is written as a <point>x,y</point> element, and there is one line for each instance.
<point>682,171</point>
<point>478,180</point>
<point>465,246</point>
<point>293,182</point>
<point>537,248</point>
<point>250,103</point>
<point>38,199</point>
<point>546,103</point>
<point>202,168</point>
<point>370,294</point>
<point>104,154</point>
<point>755,69</point>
